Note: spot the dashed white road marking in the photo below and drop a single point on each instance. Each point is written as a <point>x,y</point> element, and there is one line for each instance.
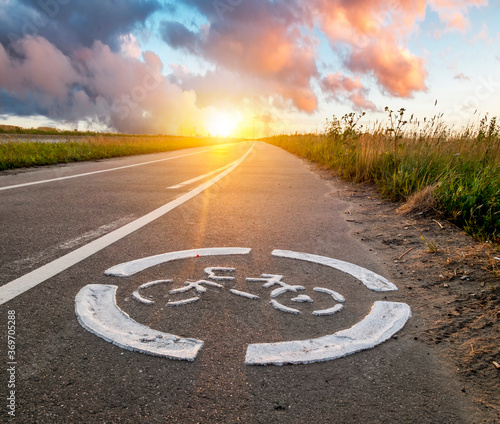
<point>196,179</point>
<point>101,171</point>
<point>28,281</point>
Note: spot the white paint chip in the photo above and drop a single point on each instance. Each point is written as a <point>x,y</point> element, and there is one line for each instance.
<point>184,302</point>
<point>196,285</point>
<point>137,296</point>
<point>244,294</point>
<point>97,312</point>
<point>280,307</point>
<point>302,298</point>
<point>211,273</point>
<point>328,312</point>
<point>384,320</point>
<point>336,296</point>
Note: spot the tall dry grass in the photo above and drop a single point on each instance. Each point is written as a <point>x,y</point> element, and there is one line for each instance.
<point>404,157</point>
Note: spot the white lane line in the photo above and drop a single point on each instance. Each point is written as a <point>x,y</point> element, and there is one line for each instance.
<point>26,282</point>
<point>196,179</point>
<point>101,171</point>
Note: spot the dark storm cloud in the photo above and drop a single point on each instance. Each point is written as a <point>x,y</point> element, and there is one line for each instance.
<point>70,23</point>
<point>178,36</point>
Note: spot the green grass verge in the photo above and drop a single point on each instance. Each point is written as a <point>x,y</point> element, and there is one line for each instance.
<point>21,154</point>
<point>464,165</point>
<point>9,129</point>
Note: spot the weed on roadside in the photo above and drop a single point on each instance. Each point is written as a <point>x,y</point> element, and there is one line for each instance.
<point>404,157</point>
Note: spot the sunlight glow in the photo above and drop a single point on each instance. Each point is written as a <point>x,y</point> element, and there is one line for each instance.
<point>223,124</point>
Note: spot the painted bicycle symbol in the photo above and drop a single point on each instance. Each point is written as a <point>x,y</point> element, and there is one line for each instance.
<point>98,312</point>
<point>269,281</point>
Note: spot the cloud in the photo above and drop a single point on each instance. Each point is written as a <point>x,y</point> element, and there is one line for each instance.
<point>84,60</point>
<point>339,86</point>
<point>484,36</point>
<point>178,36</point>
<point>258,39</point>
<point>454,14</point>
<point>275,43</point>
<point>96,85</point>
<point>44,69</point>
<point>79,61</point>
<point>462,77</point>
<point>71,24</point>
<point>395,68</point>
<point>373,31</point>
<point>130,46</point>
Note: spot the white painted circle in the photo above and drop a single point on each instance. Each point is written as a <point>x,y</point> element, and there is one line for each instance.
<point>98,312</point>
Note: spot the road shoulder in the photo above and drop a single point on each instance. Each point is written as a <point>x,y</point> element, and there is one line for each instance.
<point>453,292</point>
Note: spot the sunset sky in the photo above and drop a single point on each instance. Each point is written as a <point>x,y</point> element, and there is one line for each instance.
<point>232,67</point>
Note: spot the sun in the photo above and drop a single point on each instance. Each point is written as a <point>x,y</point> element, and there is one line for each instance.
<point>222,124</point>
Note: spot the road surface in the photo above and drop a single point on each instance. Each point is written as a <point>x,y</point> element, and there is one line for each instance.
<point>296,289</point>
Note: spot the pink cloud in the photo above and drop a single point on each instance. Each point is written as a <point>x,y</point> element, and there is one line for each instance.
<point>395,68</point>
<point>462,77</point>
<point>339,86</point>
<point>361,102</point>
<point>454,13</point>
<point>484,36</point>
<point>260,41</point>
<point>337,82</point>
<point>134,93</point>
<point>276,54</point>
<point>271,47</point>
<point>44,69</point>
<point>376,32</point>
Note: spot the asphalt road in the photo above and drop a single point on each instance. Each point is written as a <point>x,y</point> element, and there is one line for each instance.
<point>60,236</point>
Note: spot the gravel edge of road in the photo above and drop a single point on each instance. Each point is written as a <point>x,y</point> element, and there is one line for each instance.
<point>457,300</point>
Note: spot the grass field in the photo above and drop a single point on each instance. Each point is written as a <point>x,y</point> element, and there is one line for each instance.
<point>455,171</point>
<point>12,129</point>
<point>20,154</point>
